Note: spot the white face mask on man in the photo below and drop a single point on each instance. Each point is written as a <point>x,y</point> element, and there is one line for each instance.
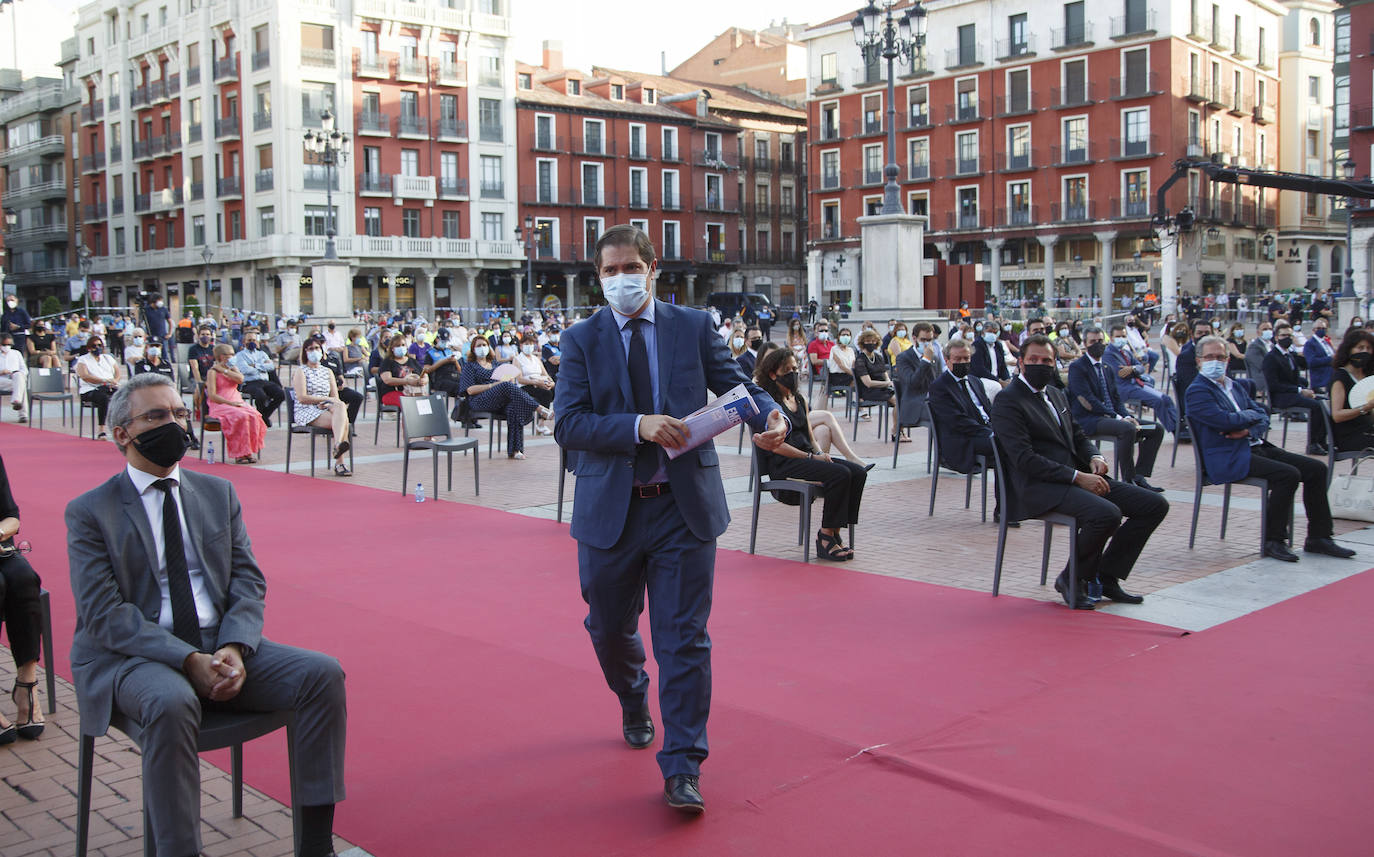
<point>626,292</point>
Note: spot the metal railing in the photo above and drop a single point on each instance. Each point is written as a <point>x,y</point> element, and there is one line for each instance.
<point>226,126</point>
<point>262,59</point>
<point>226,67</point>
<point>373,123</point>
<point>263,180</point>
<point>229,186</point>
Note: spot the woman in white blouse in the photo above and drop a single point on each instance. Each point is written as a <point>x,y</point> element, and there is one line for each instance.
<point>535,380</point>
<point>840,365</point>
<point>98,375</point>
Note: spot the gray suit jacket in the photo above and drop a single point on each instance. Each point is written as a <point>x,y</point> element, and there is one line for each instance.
<point>113,563</point>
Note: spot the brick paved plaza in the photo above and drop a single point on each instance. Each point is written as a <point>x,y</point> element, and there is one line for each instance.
<point>895,537</point>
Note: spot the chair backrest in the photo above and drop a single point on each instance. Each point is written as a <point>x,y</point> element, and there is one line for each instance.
<point>1197,450</point>
<point>425,416</point>
<point>183,352</point>
<point>1003,492</point>
<point>934,428</point>
<point>1330,436</point>
<point>291,407</point>
<point>46,381</point>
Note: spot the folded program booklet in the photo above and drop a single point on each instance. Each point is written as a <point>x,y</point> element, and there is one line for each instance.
<point>725,412</point>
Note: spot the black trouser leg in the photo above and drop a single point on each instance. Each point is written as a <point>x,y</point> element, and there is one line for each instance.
<point>1316,423</point>
<point>1285,470</point>
<point>1148,442</point>
<point>842,484</point>
<point>353,400</point>
<point>1124,432</point>
<point>1098,518</point>
<point>1144,511</point>
<point>23,613</point>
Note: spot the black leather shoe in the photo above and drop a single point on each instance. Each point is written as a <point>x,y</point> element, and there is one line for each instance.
<point>1080,601</point>
<point>1140,481</point>
<point>1316,449</point>
<point>683,794</point>
<point>1112,589</point>
<point>1327,547</point>
<point>1011,525</point>
<point>638,728</point>
<point>1279,550</point>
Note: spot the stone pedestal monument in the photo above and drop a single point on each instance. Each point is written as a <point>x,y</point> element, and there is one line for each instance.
<point>893,248</point>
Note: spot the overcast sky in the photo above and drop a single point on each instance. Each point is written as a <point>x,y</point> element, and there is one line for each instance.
<point>619,34</point>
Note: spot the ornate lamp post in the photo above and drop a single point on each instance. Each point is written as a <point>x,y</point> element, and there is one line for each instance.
<point>1348,287</point>
<point>331,148</point>
<point>206,253</point>
<point>83,259</point>
<point>528,236</point>
<point>901,38</point>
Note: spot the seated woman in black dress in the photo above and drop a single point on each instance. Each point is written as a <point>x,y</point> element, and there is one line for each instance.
<point>22,615</point>
<point>1354,361</point>
<point>842,482</point>
<point>872,372</point>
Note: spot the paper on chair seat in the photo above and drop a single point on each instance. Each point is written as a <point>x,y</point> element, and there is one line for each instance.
<point>729,409</point>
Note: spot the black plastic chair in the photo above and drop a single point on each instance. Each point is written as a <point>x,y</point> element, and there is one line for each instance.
<point>809,492</point>
<point>922,422</point>
<point>47,385</point>
<point>867,406</point>
<point>1050,519</point>
<point>314,431</point>
<point>45,606</point>
<point>1291,414</point>
<point>420,427</point>
<point>498,439</point>
<point>1201,481</point>
<point>834,391</point>
<point>385,409</point>
<point>218,730</point>
<point>1332,454</point>
<point>980,468</point>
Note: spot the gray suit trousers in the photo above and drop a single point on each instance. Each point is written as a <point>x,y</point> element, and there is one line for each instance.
<point>280,677</point>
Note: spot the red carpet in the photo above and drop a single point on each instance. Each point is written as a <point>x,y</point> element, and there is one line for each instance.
<point>479,723</point>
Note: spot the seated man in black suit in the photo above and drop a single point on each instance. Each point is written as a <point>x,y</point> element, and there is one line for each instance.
<point>1052,467</point>
<point>748,358</point>
<point>963,412</point>
<point>1096,406</point>
<point>1289,389</point>
<point>988,361</point>
<point>914,370</point>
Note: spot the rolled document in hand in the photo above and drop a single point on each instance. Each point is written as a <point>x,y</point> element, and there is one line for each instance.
<point>728,410</point>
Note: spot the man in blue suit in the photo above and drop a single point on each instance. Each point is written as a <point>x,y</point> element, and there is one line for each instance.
<point>629,375</point>
<point>1230,429</point>
<point>1133,378</point>
<point>1095,406</point>
<point>1318,352</point>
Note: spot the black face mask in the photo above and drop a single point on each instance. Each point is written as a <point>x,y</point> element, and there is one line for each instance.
<point>1284,342</point>
<point>164,445</point>
<point>1096,350</point>
<point>755,343</point>
<point>959,370</point>
<point>1038,375</point>
<point>788,381</point>
<point>1360,360</point>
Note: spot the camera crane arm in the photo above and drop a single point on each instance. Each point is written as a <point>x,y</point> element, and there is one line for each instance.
<point>1255,178</point>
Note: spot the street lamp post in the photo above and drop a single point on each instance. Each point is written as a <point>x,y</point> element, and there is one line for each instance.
<point>331,148</point>
<point>206,253</point>
<point>876,30</point>
<point>527,235</point>
<point>1348,287</point>
<point>83,258</point>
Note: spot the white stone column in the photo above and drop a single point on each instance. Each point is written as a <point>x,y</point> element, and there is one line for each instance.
<point>518,306</point>
<point>1104,269</point>
<point>391,275</point>
<point>691,289</point>
<point>995,252</point>
<point>290,291</point>
<point>1051,289</point>
<point>570,281</point>
<point>426,296</point>
<point>372,293</point>
<point>1168,272</point>
<point>470,275</point>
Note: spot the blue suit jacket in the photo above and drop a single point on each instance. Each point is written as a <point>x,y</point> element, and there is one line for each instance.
<point>596,418</point>
<point>1319,369</point>
<point>1087,402</point>
<point>1226,459</point>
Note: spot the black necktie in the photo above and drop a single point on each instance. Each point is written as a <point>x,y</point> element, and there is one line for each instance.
<point>642,388</point>
<point>185,618</point>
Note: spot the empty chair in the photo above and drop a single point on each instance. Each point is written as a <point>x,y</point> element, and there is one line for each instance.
<point>47,385</point>
<point>425,418</point>
<point>1050,519</point>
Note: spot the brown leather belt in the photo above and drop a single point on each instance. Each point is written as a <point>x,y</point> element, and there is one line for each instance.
<point>648,492</point>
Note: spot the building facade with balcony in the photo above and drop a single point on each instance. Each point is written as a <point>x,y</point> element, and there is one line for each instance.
<point>1033,135</point>
<point>192,133</point>
<point>601,149</point>
<point>35,127</point>
<point>1311,233</point>
<point>770,146</point>
<point>1354,109</point>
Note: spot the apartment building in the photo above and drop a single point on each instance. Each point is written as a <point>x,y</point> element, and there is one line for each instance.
<point>771,60</point>
<point>1354,98</point>
<point>1034,134</point>
<point>1312,127</point>
<point>36,119</point>
<point>195,180</point>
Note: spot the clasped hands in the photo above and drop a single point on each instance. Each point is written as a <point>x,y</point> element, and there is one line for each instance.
<point>1096,481</point>
<point>218,677</point>
<point>671,432</point>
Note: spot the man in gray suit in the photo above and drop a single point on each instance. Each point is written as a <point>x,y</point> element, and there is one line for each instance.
<point>169,608</point>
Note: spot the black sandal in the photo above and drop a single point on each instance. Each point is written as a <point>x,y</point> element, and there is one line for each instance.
<point>829,547</point>
<point>340,469</point>
<point>341,449</point>
<point>28,729</point>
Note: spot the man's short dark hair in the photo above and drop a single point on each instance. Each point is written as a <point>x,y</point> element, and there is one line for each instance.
<point>922,327</point>
<point>625,235</point>
<point>1039,339</point>
<point>1118,326</point>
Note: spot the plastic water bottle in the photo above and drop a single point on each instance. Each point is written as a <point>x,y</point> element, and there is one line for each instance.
<point>419,492</point>
<point>210,450</point>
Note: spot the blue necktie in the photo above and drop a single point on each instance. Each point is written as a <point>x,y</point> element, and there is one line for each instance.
<point>1102,376</point>
<point>642,388</point>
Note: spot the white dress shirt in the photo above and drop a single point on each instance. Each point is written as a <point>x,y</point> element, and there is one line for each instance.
<point>153,498</point>
<point>103,368</point>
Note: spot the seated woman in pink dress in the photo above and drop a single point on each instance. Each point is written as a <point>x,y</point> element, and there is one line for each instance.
<point>245,433</point>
